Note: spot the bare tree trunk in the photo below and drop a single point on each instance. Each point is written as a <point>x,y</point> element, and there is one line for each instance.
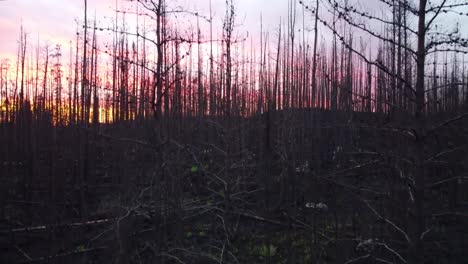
<point>314,57</point>
<point>419,118</point>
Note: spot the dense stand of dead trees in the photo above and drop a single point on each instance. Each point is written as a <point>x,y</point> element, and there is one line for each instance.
<point>118,81</point>
<point>167,76</point>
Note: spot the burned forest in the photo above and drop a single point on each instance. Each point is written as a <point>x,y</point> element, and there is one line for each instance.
<point>336,132</point>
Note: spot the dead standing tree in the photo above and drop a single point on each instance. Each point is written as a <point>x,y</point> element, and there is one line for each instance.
<point>228,28</point>
<point>430,40</point>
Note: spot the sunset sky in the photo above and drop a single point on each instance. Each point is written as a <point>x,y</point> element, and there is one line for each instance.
<point>55,21</point>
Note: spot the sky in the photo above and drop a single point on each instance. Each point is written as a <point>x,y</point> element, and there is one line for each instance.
<point>55,21</point>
